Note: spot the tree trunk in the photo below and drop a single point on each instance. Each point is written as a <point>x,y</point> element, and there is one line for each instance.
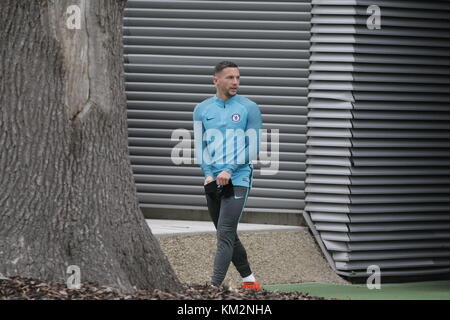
<point>67,190</point>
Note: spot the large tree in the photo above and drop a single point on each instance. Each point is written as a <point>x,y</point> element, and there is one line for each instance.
<point>67,195</point>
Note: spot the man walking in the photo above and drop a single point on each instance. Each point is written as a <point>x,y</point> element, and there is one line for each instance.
<point>220,123</point>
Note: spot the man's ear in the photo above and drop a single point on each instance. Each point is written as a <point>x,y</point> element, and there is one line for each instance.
<point>215,79</point>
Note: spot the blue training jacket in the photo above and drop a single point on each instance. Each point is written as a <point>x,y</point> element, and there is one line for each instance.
<point>227,136</point>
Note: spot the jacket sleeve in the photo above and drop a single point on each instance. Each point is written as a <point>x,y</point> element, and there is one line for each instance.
<point>201,154</point>
<point>252,139</point>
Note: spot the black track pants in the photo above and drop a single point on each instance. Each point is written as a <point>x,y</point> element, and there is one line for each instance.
<point>225,209</point>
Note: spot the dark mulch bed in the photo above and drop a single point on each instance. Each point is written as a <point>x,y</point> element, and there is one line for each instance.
<point>18,288</point>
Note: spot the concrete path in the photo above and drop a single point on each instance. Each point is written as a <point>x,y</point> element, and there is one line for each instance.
<point>162,227</point>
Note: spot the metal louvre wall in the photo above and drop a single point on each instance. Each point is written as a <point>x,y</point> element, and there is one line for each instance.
<point>378,147</point>
<point>171,48</point>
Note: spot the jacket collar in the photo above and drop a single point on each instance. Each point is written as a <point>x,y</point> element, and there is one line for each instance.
<point>223,103</point>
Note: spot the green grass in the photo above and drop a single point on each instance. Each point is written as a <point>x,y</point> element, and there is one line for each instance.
<point>431,290</point>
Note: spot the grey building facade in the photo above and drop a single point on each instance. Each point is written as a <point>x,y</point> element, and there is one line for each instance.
<point>363,116</point>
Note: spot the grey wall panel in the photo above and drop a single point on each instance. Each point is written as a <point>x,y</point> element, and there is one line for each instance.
<point>171,48</point>
<point>378,171</point>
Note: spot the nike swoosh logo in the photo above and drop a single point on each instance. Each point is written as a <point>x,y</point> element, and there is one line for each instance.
<point>238,197</point>
<point>209,119</point>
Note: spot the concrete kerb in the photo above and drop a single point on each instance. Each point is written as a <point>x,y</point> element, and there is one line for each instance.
<point>163,228</point>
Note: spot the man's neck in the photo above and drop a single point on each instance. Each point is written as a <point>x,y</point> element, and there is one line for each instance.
<point>223,96</point>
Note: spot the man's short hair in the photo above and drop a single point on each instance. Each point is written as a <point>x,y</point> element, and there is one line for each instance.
<point>224,64</point>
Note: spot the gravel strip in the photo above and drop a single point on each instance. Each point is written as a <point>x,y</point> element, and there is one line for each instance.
<point>276,257</point>
<point>30,289</point>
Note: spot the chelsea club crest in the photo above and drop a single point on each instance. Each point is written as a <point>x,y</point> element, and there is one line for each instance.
<point>235,117</point>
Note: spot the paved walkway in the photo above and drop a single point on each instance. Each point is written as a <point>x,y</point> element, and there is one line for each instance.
<point>162,227</point>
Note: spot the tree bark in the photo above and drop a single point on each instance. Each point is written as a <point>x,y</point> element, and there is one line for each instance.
<point>67,191</point>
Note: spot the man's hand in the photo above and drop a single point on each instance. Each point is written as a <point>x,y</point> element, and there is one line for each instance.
<point>208,180</point>
<point>223,178</point>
